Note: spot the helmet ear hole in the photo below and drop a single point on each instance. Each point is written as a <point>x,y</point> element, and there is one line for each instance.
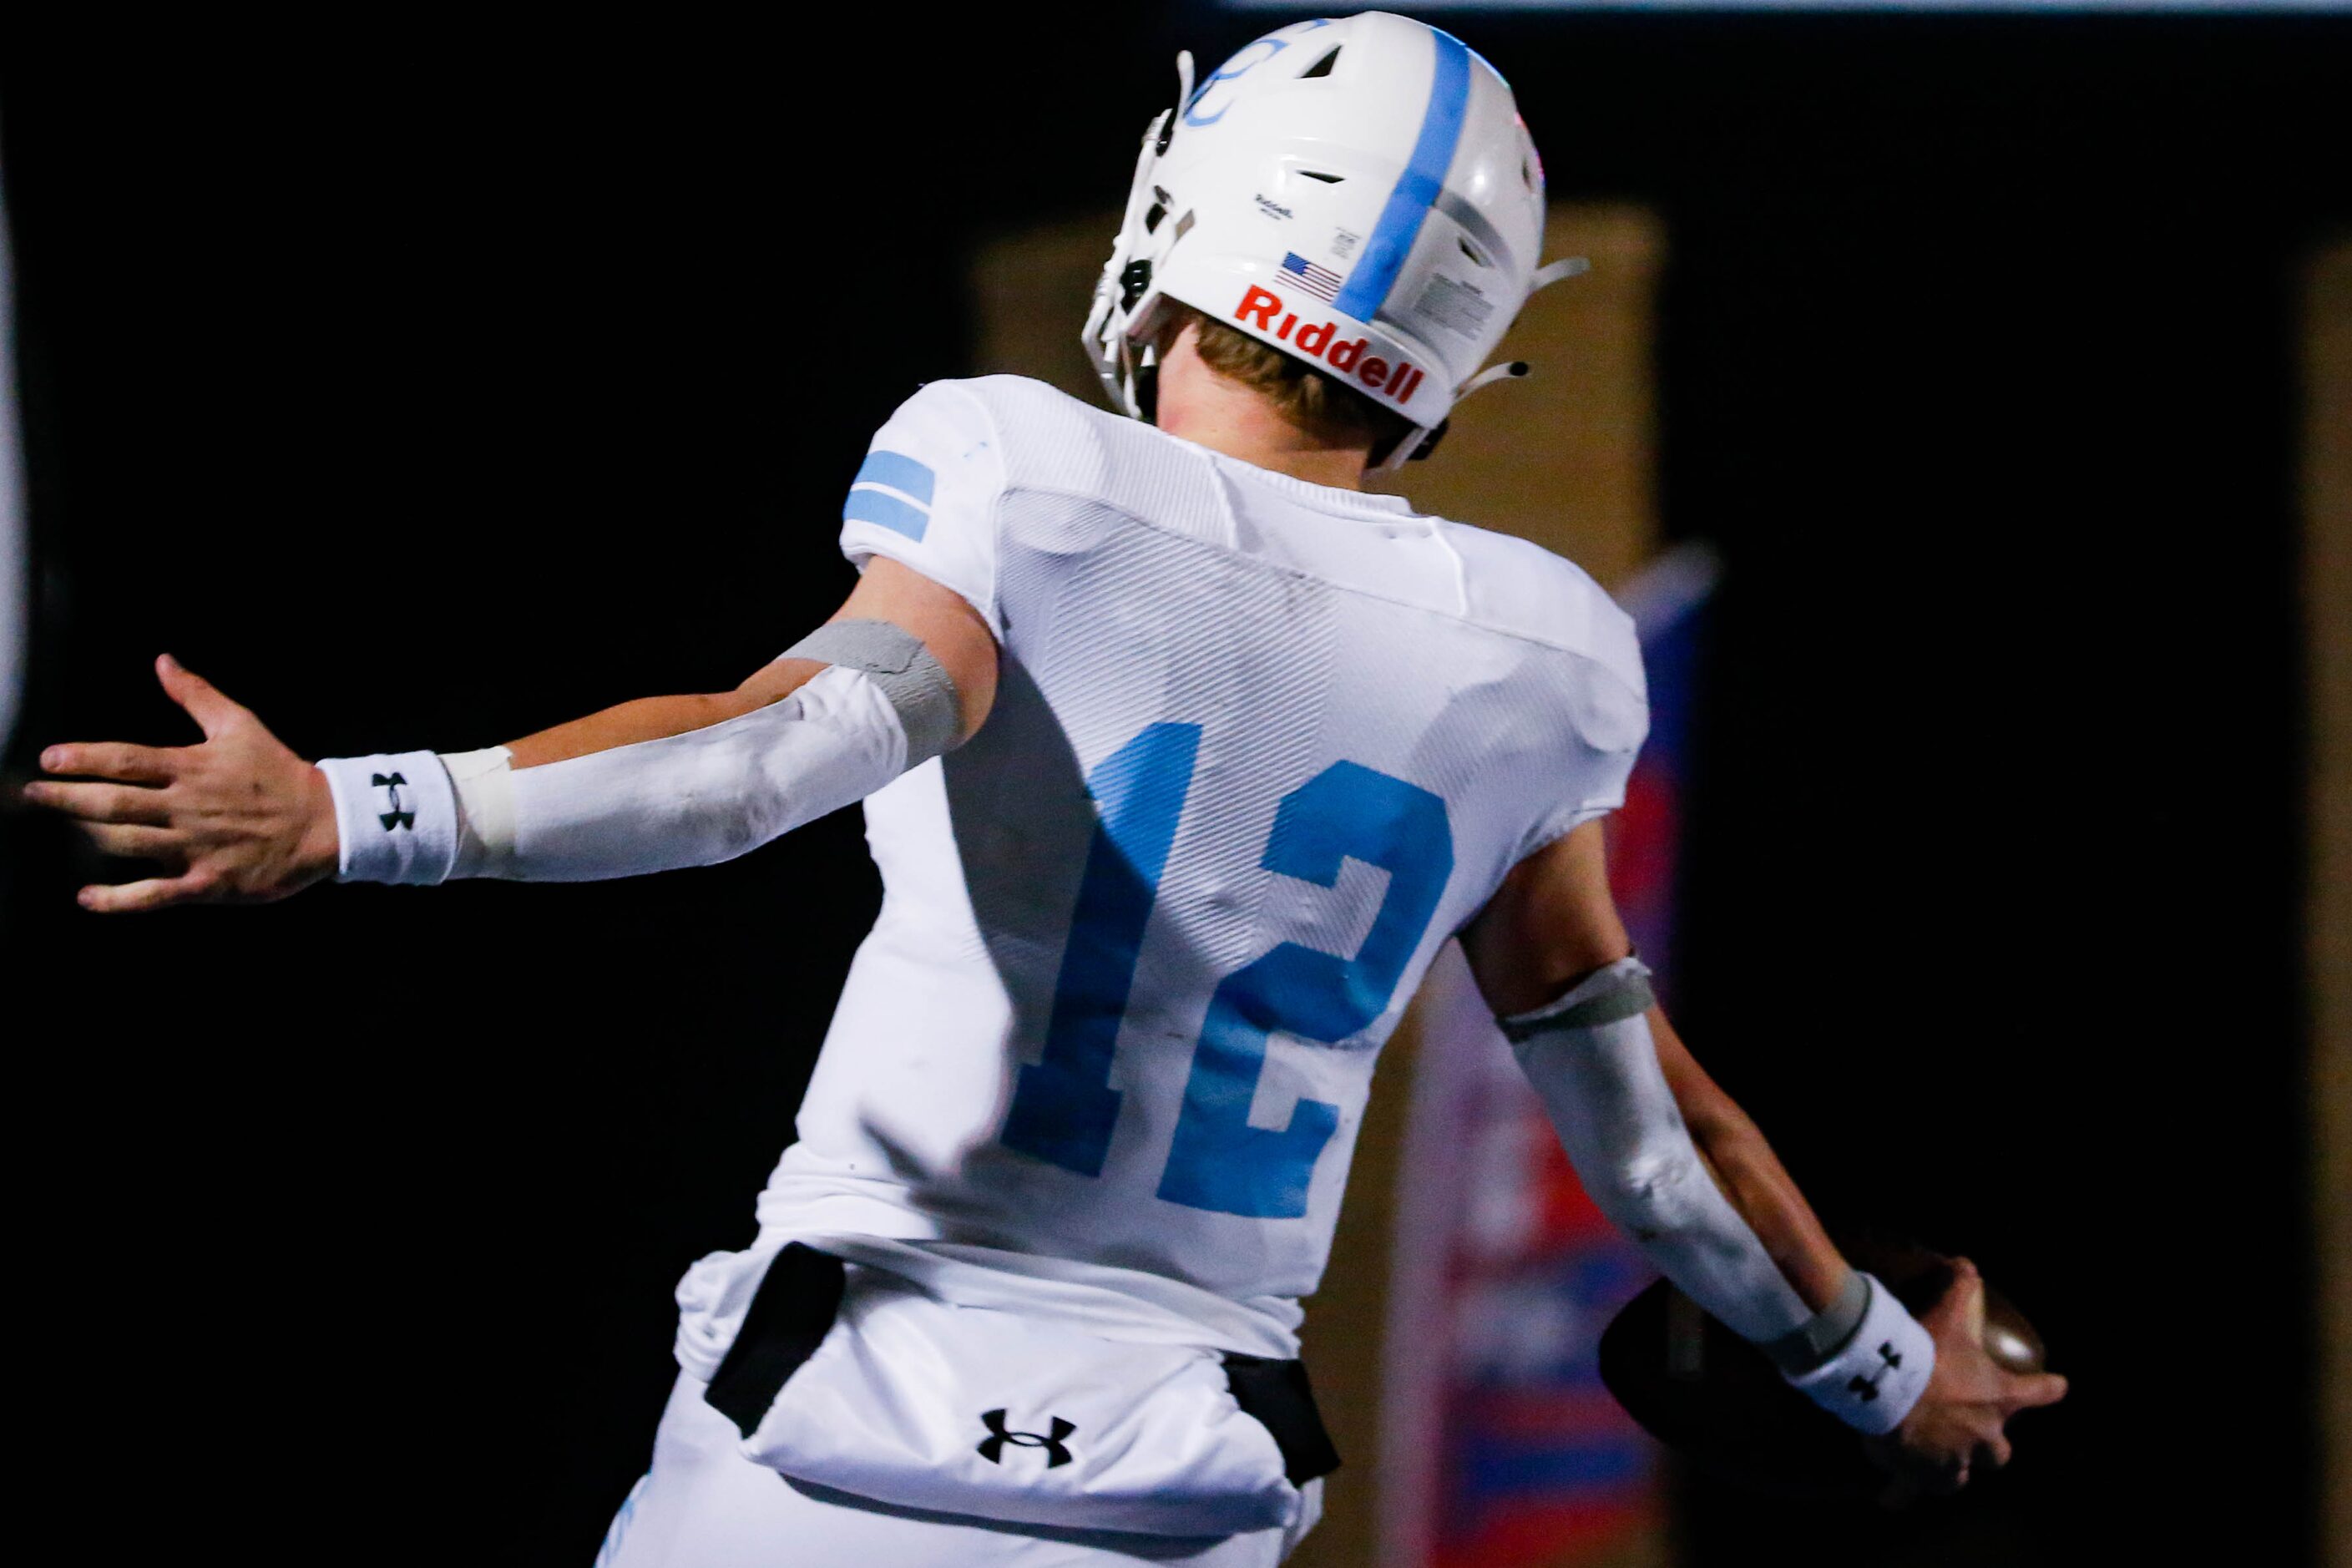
<point>1323,66</point>
<point>1133,280</point>
<point>1318,174</point>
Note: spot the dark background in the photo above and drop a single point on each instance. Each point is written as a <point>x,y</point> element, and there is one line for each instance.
<point>423,387</point>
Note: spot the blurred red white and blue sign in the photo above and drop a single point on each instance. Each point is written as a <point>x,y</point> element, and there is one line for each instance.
<point>1501,1447</point>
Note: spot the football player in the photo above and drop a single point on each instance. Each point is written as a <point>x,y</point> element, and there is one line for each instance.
<point>1181,756</point>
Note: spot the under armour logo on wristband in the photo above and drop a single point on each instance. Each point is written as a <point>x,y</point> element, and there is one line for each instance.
<point>1867,1388</point>
<point>390,783</point>
<point>991,1448</point>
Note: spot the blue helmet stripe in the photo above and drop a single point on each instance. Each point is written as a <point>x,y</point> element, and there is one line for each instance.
<point>1367,288</point>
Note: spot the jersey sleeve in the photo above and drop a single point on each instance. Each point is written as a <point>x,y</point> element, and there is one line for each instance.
<point>927,496</point>
<point>1607,720</point>
<point>1601,790</point>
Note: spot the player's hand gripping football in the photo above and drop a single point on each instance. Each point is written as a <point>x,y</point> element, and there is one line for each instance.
<point>1960,1421</point>
<point>236,819</point>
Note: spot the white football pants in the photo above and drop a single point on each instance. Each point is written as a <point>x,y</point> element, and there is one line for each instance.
<point>704,1505</point>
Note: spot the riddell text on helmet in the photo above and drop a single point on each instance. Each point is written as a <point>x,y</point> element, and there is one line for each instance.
<point>1263,306</point>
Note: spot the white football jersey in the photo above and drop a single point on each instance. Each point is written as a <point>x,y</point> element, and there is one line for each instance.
<point>1259,748</point>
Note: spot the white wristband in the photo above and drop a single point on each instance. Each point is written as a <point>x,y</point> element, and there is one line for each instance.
<point>694,798</point>
<point>1874,1381</point>
<point>397,816</point>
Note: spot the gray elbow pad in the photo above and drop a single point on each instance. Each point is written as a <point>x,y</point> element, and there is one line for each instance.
<point>916,684</point>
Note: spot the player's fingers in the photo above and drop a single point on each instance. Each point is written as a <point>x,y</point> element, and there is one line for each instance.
<point>126,765</point>
<point>1969,1290</point>
<point>2031,1391</point>
<point>1947,1478</point>
<point>1996,1446</point>
<point>212,711</point>
<point>101,802</point>
<point>1963,1300</point>
<point>154,893</point>
<point>135,843</point>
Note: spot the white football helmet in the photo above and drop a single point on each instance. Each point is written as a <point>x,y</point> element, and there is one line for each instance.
<point>1360,194</point>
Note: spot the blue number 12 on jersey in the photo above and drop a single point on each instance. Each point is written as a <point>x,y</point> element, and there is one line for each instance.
<point>1064,1107</point>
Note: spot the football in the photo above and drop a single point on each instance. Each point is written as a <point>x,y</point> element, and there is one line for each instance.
<point>1716,1400</point>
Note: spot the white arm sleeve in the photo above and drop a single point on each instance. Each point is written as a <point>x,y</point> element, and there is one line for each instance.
<point>704,796</point>
<point>1607,1096</point>
<point>1593,1062</point>
<point>709,794</point>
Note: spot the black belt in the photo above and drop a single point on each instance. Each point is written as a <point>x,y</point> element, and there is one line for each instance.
<point>800,1296</point>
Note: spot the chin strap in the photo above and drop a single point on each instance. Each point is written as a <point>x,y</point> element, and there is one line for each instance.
<point>1552,272</point>
<point>1492,374</point>
<point>1143,385</point>
<point>1415,450</point>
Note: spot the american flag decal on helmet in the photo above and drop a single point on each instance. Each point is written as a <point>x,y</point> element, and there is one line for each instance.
<point>1320,281</point>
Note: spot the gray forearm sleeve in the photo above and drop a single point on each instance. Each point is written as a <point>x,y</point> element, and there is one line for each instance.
<point>1592,1059</point>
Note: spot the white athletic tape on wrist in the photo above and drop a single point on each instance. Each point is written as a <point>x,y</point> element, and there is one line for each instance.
<point>1808,1346</point>
<point>1592,1061</point>
<point>706,795</point>
<point>484,781</point>
<point>397,816</point>
<point>1873,1382</point>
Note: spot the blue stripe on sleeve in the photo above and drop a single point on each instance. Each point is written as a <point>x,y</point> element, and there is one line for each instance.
<point>898,472</point>
<point>887,509</point>
<point>1367,288</point>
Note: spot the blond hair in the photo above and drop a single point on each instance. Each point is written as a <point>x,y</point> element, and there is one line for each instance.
<point>1313,400</point>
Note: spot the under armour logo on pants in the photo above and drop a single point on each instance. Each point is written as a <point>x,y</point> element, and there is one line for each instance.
<point>991,1448</point>
<point>390,783</point>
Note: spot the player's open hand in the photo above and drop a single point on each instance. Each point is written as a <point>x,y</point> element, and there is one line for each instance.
<point>1960,1422</point>
<point>238,819</point>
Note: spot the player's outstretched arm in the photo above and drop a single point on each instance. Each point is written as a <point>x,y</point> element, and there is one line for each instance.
<point>1680,1167</point>
<point>903,670</point>
<point>950,629</point>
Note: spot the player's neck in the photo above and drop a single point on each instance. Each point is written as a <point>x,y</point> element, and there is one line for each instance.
<point>1203,407</point>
